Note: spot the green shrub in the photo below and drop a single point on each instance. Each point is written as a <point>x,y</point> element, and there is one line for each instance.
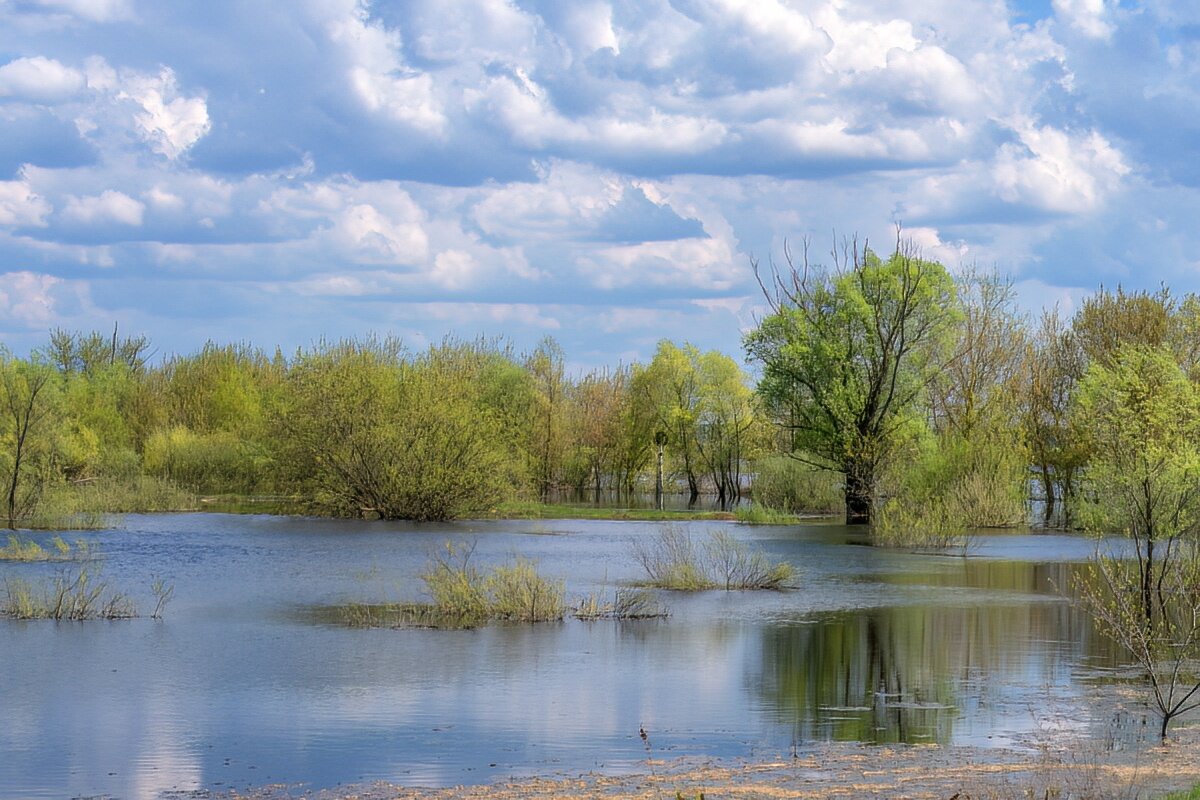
<point>516,592</point>
<point>673,561</point>
<point>626,604</point>
<point>73,594</point>
<point>786,485</point>
<point>456,587</point>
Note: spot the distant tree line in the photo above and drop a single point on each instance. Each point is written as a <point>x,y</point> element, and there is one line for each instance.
<point>368,427</point>
<point>916,400</point>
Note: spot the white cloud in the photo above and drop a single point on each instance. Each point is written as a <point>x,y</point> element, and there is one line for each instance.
<point>390,236</point>
<point>454,269</point>
<point>1056,171</point>
<point>110,207</point>
<point>20,205</point>
<point>589,27</point>
<point>861,45</point>
<point>472,30</point>
<point>1089,17</point>
<point>28,297</point>
<point>706,264</point>
<point>39,79</point>
<point>470,314</point>
<point>94,10</point>
<point>378,76</point>
<point>150,106</point>
<point>171,124</point>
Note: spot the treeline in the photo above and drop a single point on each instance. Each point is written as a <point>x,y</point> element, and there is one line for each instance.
<point>362,427</point>
<point>944,407</point>
<point>918,401</point>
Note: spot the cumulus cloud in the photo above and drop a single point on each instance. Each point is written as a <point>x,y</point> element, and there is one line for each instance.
<point>28,297</point>
<point>151,106</point>
<point>1056,171</point>
<point>20,205</point>
<point>378,75</point>
<point>1089,17</point>
<point>504,157</point>
<point>110,207</point>
<point>39,80</point>
<point>93,10</point>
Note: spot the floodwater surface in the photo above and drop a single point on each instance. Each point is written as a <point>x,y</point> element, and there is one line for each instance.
<point>240,686</point>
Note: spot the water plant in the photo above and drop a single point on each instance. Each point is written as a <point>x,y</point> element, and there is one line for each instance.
<point>20,548</point>
<point>626,604</point>
<point>73,594</point>
<point>672,560</point>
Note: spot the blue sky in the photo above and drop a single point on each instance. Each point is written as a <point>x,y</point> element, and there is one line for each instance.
<point>600,171</point>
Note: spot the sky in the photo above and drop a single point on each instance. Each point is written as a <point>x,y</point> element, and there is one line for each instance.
<point>600,171</point>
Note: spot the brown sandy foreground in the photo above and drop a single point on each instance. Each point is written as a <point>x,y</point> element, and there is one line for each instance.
<point>1062,770</point>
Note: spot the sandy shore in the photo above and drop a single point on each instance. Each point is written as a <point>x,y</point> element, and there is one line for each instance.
<point>1063,769</point>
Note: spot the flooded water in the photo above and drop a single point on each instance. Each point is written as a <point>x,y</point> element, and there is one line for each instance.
<point>238,686</point>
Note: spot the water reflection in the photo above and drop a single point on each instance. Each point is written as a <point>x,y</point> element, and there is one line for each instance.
<point>933,673</point>
<point>235,688</point>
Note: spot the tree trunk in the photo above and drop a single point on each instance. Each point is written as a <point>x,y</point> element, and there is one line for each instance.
<point>1148,584</point>
<point>859,491</point>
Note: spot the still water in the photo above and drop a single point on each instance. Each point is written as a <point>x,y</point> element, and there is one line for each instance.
<point>238,685</point>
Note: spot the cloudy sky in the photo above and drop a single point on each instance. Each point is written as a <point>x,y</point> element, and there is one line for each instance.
<point>601,171</point>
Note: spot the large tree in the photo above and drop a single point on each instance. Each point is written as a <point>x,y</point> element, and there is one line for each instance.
<point>846,354</point>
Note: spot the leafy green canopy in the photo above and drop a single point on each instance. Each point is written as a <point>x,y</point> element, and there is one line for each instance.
<point>848,355</point>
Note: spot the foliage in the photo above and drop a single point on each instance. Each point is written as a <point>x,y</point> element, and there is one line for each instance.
<point>369,433</point>
<point>792,486</point>
<point>73,594</point>
<point>735,566</point>
<point>847,355</point>
<point>20,548</point>
<point>1140,419</point>
<point>518,593</point>
<point>513,591</point>
<point>1166,646</point>
<point>672,560</point>
<point>758,514</point>
<point>626,604</point>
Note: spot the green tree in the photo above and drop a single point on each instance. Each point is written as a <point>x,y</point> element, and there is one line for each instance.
<point>368,432</point>
<point>548,421</point>
<point>670,388</point>
<point>725,420</point>
<point>28,411</point>
<point>1054,365</point>
<point>1139,416</point>
<point>848,354</point>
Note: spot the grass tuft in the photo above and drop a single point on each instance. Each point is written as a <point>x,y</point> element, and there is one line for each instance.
<point>672,560</point>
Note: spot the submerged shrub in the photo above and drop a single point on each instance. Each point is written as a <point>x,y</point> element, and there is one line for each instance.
<point>456,587</point>
<point>673,561</point>
<point>73,594</point>
<point>516,592</point>
<point>626,604</point>
<point>783,484</point>
<point>734,564</point>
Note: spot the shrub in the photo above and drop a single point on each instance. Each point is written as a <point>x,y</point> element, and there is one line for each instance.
<point>784,484</point>
<point>516,592</point>
<point>734,564</point>
<point>626,604</point>
<point>673,561</point>
<point>73,594</point>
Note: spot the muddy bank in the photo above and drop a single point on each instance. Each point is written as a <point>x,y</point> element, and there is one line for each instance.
<point>1069,768</point>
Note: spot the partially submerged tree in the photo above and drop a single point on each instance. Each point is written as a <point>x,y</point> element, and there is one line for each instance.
<point>847,353</point>
<point>1166,647</point>
<point>372,433</point>
<point>27,401</point>
<point>1140,419</point>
